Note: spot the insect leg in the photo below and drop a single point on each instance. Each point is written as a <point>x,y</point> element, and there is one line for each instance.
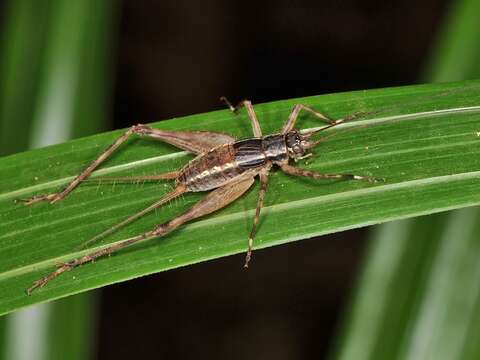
<point>291,170</point>
<point>292,118</point>
<point>87,258</point>
<point>196,142</point>
<point>134,179</point>
<point>257,131</point>
<point>261,197</point>
<point>215,200</point>
<point>141,130</point>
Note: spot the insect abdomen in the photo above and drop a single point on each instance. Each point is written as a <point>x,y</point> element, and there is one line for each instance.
<point>211,170</point>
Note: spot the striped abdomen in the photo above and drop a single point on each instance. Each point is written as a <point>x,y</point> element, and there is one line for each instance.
<point>211,170</point>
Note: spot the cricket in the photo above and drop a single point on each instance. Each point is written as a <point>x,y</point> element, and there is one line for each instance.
<point>223,165</point>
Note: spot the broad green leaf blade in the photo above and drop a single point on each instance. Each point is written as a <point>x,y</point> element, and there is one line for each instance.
<point>428,156</point>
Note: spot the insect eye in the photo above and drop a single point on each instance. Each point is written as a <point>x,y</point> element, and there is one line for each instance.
<point>297,149</point>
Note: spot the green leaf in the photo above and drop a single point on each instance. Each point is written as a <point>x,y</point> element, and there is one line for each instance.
<point>456,52</point>
<point>423,140</point>
<point>22,50</point>
<point>72,327</point>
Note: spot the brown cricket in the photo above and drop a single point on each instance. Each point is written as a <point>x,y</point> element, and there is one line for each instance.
<point>222,164</point>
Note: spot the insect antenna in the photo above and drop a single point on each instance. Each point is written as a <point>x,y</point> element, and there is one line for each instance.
<point>390,110</point>
<point>329,136</point>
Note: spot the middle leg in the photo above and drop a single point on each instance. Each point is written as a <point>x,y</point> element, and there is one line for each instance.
<point>291,170</point>
<point>257,131</point>
<point>261,196</point>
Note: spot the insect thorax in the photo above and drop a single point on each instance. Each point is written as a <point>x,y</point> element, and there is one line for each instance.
<point>256,152</point>
<point>275,148</point>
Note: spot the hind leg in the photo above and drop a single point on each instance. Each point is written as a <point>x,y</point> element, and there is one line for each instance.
<point>215,200</point>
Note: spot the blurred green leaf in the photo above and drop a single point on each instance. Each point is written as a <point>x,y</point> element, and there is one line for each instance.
<point>457,53</point>
<point>22,48</point>
<point>425,154</point>
<point>3,335</point>
<point>21,60</point>
<point>419,290</point>
<point>72,328</point>
<point>74,84</point>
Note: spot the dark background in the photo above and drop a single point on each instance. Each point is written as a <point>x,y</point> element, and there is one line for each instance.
<point>178,57</point>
